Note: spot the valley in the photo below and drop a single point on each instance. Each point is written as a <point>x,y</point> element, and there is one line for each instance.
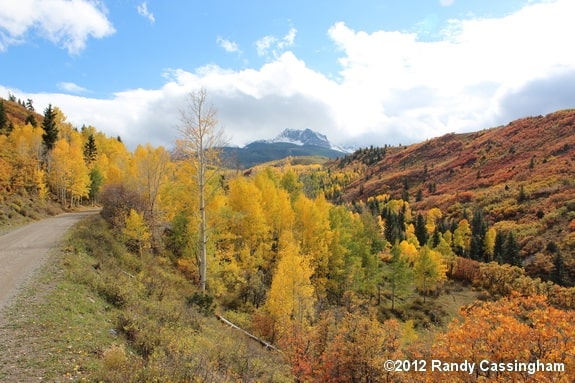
<point>457,248</point>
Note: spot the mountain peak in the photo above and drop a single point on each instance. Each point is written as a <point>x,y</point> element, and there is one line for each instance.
<point>301,137</point>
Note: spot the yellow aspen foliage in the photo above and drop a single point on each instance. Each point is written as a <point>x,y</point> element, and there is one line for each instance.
<point>102,163</point>
<point>409,251</point>
<point>27,141</point>
<point>137,232</point>
<point>245,199</point>
<point>59,169</point>
<point>275,202</point>
<point>5,174</point>
<point>444,248</point>
<point>290,182</point>
<point>291,296</point>
<point>118,160</point>
<point>313,232</point>
<point>433,215</point>
<point>410,236</point>
<point>150,166</point>
<point>429,270</point>
<point>179,193</point>
<point>489,241</point>
<point>399,205</point>
<point>79,174</point>
<point>113,175</point>
<point>40,182</point>
<point>68,175</point>
<point>24,146</point>
<point>65,129</point>
<point>462,236</point>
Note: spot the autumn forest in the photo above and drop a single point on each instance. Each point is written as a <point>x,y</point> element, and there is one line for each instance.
<point>448,260</point>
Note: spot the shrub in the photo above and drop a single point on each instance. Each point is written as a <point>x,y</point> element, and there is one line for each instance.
<point>203,302</point>
<point>115,357</point>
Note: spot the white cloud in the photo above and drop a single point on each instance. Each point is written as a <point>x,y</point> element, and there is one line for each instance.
<point>71,87</point>
<point>392,87</point>
<point>459,82</point>
<point>275,46</point>
<point>67,24</point>
<point>227,45</point>
<point>144,12</point>
<point>446,3</point>
<point>264,44</point>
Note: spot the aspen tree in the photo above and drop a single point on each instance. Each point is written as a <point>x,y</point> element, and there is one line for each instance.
<point>200,138</point>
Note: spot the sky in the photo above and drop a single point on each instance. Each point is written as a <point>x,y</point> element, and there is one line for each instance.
<point>367,72</point>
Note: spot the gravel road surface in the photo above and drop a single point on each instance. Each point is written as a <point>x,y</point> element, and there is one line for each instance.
<point>25,249</point>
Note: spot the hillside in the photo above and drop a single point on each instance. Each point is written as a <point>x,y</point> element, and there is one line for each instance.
<point>524,151</point>
<point>20,114</point>
<point>521,175</point>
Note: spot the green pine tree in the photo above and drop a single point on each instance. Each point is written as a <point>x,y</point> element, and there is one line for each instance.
<point>3,119</point>
<point>50,135</point>
<point>90,150</point>
<point>421,230</point>
<point>559,274</point>
<point>498,248</point>
<point>478,232</point>
<point>511,250</point>
<point>399,274</point>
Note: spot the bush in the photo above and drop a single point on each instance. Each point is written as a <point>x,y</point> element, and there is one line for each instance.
<point>112,293</point>
<point>118,200</point>
<point>204,303</point>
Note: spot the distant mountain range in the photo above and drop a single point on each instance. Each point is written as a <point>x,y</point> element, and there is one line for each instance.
<point>290,142</point>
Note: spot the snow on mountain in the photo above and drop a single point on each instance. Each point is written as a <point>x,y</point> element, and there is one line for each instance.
<point>303,137</point>
<point>344,149</point>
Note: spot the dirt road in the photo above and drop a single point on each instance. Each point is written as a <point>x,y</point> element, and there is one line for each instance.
<point>25,249</point>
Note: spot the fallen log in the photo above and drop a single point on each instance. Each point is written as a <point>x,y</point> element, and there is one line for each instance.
<point>264,343</point>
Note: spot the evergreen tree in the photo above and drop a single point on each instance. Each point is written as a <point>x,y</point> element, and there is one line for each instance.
<point>399,274</point>
<point>498,248</point>
<point>29,105</point>
<point>559,274</point>
<point>3,119</point>
<point>511,251</point>
<point>90,150</point>
<point>30,119</point>
<point>419,195</point>
<point>50,135</point>
<point>436,237</point>
<point>522,195</point>
<point>96,182</point>
<point>478,231</point>
<point>405,192</point>
<point>421,230</point>
<point>394,225</point>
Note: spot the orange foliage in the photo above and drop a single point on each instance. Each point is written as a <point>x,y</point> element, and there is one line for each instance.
<point>516,329</point>
<point>188,267</point>
<point>346,347</point>
<point>465,269</point>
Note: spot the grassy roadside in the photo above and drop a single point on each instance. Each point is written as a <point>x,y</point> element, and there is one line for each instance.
<point>56,329</point>
<point>97,313</point>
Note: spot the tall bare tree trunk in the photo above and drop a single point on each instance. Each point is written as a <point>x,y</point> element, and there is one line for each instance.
<point>200,139</point>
